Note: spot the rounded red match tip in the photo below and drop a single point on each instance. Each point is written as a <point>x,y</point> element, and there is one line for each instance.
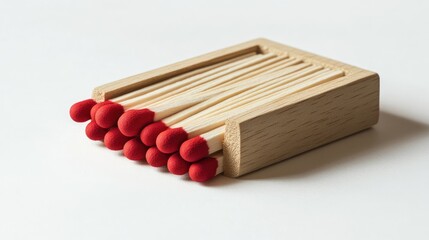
<point>97,106</point>
<point>107,116</point>
<point>133,121</point>
<point>203,170</point>
<point>169,141</point>
<point>194,149</point>
<point>176,164</point>
<point>95,132</point>
<point>156,158</point>
<point>81,111</point>
<point>149,133</point>
<point>115,140</point>
<point>135,150</point>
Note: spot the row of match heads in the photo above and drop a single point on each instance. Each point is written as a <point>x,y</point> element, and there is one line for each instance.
<point>144,147</point>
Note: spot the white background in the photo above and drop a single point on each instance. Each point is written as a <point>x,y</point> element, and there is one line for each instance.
<point>57,184</point>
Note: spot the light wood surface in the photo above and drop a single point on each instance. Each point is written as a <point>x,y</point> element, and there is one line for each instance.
<point>303,121</point>
<point>214,139</point>
<point>287,125</point>
<point>178,88</point>
<point>126,85</point>
<point>172,80</point>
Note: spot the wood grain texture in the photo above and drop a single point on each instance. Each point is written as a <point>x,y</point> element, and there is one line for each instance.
<point>126,85</point>
<point>300,122</point>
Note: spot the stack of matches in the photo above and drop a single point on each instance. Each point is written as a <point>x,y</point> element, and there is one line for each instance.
<point>180,122</point>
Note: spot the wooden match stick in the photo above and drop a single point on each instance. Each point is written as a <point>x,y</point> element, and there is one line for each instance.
<point>199,79</point>
<point>193,74</point>
<point>181,77</point>
<point>107,115</point>
<point>82,111</point>
<point>262,71</point>
<point>169,141</point>
<point>132,121</point>
<point>278,79</point>
<point>200,146</point>
<point>150,132</point>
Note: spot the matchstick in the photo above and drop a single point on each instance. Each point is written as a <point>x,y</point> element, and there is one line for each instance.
<point>178,78</point>
<point>300,73</point>
<point>202,145</point>
<point>223,103</point>
<point>108,115</point>
<point>132,128</point>
<point>132,121</point>
<point>84,110</point>
<point>150,132</point>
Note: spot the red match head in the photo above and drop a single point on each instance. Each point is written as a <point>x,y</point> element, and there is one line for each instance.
<point>107,116</point>
<point>114,139</point>
<point>95,132</point>
<point>156,158</point>
<point>149,133</point>
<point>135,150</point>
<point>194,149</point>
<point>81,111</point>
<point>176,164</point>
<point>132,122</point>
<point>97,106</point>
<point>170,140</point>
<point>203,170</point>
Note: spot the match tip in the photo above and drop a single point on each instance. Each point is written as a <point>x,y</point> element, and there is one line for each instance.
<point>169,141</point>
<point>156,158</point>
<point>149,133</point>
<point>97,106</point>
<point>135,150</point>
<point>107,116</point>
<point>81,111</point>
<point>203,170</point>
<point>194,149</point>
<point>176,165</point>
<point>132,122</point>
<point>95,132</point>
<point>114,139</point>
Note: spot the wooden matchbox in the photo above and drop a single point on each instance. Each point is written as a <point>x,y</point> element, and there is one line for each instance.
<point>286,127</point>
